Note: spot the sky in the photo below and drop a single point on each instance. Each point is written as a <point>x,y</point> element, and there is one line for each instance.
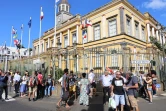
<point>17,12</point>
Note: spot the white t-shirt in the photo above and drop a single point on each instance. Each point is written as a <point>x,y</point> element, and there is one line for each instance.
<point>24,80</point>
<point>60,80</point>
<point>106,80</point>
<point>91,77</point>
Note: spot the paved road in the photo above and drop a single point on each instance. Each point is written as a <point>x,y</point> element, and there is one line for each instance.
<point>49,104</point>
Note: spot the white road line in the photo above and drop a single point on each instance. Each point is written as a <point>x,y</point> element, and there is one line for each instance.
<point>163,94</point>
<point>9,97</point>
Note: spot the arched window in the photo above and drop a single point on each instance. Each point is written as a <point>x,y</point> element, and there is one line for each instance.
<point>63,7</point>
<point>114,58</point>
<point>67,8</point>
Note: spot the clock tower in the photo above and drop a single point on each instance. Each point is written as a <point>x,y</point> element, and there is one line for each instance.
<point>63,12</point>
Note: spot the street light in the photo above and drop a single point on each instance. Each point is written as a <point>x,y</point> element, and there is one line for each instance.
<point>162,31</point>
<point>75,55</point>
<point>5,53</point>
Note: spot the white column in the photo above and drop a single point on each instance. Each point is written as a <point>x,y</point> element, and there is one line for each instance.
<point>140,32</point>
<point>77,34</point>
<point>163,39</point>
<point>153,34</point>
<point>48,42</point>
<point>133,26</point>
<point>77,63</point>
<point>65,6</point>
<point>148,29</point>
<point>103,25</point>
<point>157,35</point>
<point>43,47</point>
<point>68,35</point>
<point>60,38</point>
<point>89,33</point>
<point>60,62</point>
<point>160,38</point>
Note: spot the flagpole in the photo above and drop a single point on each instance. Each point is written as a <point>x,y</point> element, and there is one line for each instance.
<point>55,24</point>
<point>40,32</point>
<point>11,37</point>
<point>29,40</point>
<point>83,57</point>
<point>21,34</point>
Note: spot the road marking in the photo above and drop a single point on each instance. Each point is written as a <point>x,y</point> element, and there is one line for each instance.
<point>9,97</point>
<point>163,94</point>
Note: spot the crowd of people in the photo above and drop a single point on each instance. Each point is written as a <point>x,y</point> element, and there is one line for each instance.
<point>124,87</point>
<point>34,85</point>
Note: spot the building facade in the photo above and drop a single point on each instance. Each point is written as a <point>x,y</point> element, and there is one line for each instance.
<point>118,37</point>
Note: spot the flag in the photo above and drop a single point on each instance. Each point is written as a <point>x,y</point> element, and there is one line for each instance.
<point>22,26</point>
<point>30,22</point>
<point>88,22</point>
<point>41,14</point>
<point>84,34</point>
<point>16,42</point>
<point>83,23</point>
<point>15,35</point>
<point>13,31</point>
<point>57,1</point>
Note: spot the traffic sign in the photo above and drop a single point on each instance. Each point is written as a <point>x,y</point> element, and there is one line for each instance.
<point>140,62</point>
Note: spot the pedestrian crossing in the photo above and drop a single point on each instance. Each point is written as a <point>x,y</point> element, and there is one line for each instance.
<point>9,97</point>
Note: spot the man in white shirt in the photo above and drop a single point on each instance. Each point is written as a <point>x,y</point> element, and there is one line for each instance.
<point>91,78</point>
<point>16,80</point>
<point>106,81</point>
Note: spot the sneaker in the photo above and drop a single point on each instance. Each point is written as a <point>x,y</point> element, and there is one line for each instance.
<point>6,99</point>
<point>155,96</point>
<point>29,99</point>
<point>33,99</point>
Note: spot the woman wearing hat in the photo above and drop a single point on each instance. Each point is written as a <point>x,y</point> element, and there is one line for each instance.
<point>49,85</point>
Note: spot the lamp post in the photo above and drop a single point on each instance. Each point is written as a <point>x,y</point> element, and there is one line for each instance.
<point>59,47</point>
<point>5,53</point>
<point>75,56</point>
<point>162,30</point>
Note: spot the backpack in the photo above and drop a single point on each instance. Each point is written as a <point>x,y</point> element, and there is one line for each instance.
<point>40,78</point>
<point>31,84</point>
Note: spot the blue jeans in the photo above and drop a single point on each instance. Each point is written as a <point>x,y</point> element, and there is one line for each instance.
<point>48,90</point>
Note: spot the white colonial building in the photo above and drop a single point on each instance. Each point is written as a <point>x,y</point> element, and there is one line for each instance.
<point>12,53</point>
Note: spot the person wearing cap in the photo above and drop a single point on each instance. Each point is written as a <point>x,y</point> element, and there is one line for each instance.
<point>91,78</point>
<point>48,86</point>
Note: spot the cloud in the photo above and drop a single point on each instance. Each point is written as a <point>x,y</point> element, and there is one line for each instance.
<point>155,4</point>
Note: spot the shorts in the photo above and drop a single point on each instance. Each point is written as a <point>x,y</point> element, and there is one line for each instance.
<point>93,85</point>
<point>72,88</point>
<point>149,89</point>
<point>119,99</point>
<point>32,89</point>
<point>133,101</point>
